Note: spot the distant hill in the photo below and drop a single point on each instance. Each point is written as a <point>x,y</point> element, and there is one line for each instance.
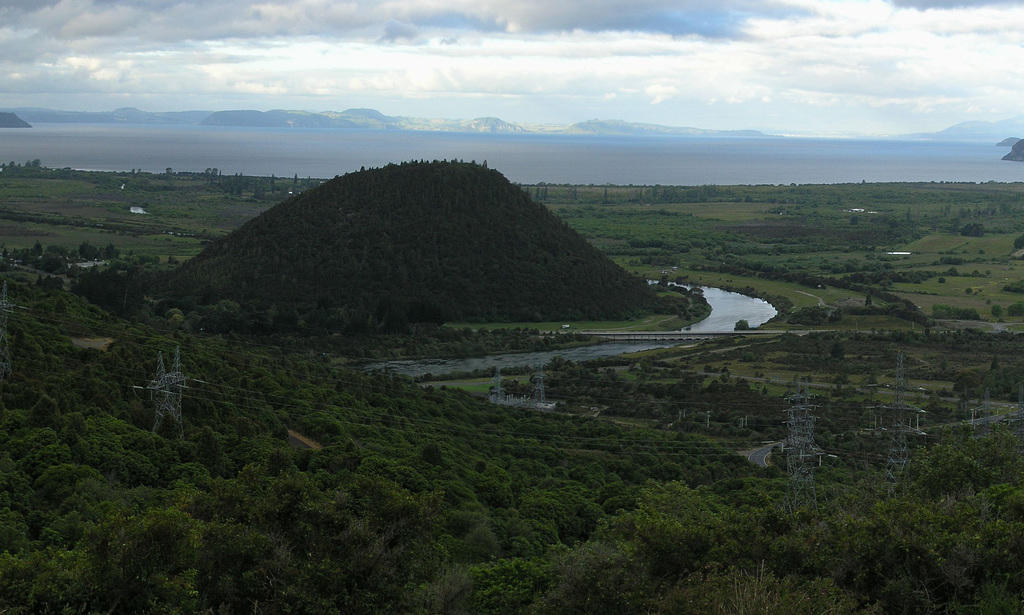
<point>416,242</point>
<point>618,127</point>
<point>11,120</point>
<point>363,119</point>
<point>124,115</point>
<point>977,130</point>
<point>1016,153</point>
<point>1008,142</point>
<point>273,119</point>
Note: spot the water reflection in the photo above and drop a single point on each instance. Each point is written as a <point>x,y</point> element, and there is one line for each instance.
<point>726,308</point>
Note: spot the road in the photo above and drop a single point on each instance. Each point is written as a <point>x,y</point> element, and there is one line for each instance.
<point>760,456</point>
<point>820,301</point>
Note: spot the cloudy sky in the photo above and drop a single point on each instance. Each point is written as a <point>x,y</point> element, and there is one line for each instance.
<point>791,66</point>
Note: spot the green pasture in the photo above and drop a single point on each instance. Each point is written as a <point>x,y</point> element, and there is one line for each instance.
<point>473,386</point>
<point>21,191</point>
<point>68,208</point>
<point>947,243</point>
<point>726,212</point>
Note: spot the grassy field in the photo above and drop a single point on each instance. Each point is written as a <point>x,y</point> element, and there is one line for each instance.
<point>958,238</point>
<point>68,208</point>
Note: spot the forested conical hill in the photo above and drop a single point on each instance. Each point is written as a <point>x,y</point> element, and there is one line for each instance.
<point>419,241</point>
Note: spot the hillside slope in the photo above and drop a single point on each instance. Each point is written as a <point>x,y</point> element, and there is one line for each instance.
<point>416,242</point>
<point>99,514</point>
<point>1016,153</point>
<point>10,120</point>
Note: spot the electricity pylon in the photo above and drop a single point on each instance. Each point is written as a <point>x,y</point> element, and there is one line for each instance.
<point>979,416</point>
<point>497,395</point>
<point>5,349</point>
<point>1020,419</point>
<point>166,391</point>
<point>901,426</point>
<point>538,388</point>
<point>801,452</point>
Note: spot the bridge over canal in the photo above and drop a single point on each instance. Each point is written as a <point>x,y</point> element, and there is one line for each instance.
<point>657,336</point>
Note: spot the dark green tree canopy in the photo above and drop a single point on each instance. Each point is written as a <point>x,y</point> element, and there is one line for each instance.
<point>416,242</point>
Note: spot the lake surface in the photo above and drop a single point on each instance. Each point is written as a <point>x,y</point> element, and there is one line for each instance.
<point>523,158</point>
<point>726,308</point>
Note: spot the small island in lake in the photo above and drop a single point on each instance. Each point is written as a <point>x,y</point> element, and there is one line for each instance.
<point>10,120</point>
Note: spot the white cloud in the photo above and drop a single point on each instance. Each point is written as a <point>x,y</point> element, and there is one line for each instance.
<point>660,92</point>
<point>645,60</point>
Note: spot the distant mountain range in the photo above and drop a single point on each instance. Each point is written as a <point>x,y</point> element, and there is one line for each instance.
<point>370,119</point>
<point>356,119</point>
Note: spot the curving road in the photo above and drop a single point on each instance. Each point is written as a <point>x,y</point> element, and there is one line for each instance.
<point>760,456</point>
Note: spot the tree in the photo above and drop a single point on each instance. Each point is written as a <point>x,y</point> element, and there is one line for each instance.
<point>88,251</point>
<point>134,562</point>
<point>837,351</point>
<point>509,585</point>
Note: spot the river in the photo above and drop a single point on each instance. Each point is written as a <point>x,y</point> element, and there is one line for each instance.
<point>726,308</point>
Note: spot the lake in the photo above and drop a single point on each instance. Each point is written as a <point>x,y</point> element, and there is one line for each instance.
<point>523,158</point>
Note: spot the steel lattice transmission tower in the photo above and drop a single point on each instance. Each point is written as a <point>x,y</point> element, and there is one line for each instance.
<point>497,395</point>
<point>166,390</point>
<point>801,452</point>
<point>1020,419</point>
<point>901,426</point>
<point>979,417</point>
<point>538,388</point>
<point>5,349</point>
